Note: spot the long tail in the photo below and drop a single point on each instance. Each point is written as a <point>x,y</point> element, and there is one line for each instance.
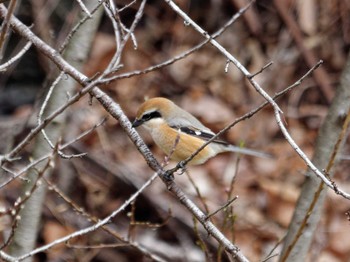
<point>247,151</point>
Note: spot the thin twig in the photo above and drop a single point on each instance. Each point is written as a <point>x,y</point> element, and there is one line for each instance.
<point>19,203</point>
<point>196,188</point>
<point>126,6</point>
<point>85,133</point>
<point>35,162</point>
<point>110,10</point>
<point>107,229</point>
<point>86,230</point>
<point>40,116</point>
<point>4,66</point>
<point>115,110</point>
<point>121,44</point>
<point>21,172</point>
<point>64,66</point>
<point>303,224</point>
<point>5,25</point>
<point>84,8</point>
<point>224,52</point>
<point>77,26</point>
<point>270,254</point>
<point>233,19</point>
<point>261,70</point>
<point>46,121</point>
<point>221,208</point>
<point>250,114</point>
<point>277,110</point>
<point>321,77</point>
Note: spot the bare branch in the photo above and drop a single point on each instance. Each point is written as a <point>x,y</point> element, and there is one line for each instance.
<point>249,114</point>
<point>77,26</point>
<point>37,161</point>
<point>5,25</point>
<point>121,44</point>
<point>223,207</point>
<point>84,231</point>
<point>224,52</point>
<point>41,112</point>
<point>277,110</point>
<point>233,19</point>
<point>4,66</point>
<point>84,8</point>
<point>107,229</point>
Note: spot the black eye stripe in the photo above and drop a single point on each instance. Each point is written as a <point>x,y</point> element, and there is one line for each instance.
<point>151,115</point>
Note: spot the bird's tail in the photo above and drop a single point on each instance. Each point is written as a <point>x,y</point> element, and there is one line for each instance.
<point>247,151</point>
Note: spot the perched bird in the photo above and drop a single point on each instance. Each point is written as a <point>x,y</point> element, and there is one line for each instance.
<point>179,134</point>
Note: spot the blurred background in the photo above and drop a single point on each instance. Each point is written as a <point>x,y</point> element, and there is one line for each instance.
<point>293,34</point>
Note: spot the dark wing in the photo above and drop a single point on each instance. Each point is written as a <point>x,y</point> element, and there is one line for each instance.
<point>199,133</point>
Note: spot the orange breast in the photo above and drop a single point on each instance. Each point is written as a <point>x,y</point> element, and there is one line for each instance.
<point>182,149</point>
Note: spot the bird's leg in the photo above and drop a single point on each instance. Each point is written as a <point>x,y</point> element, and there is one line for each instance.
<point>182,166</point>
<point>169,174</point>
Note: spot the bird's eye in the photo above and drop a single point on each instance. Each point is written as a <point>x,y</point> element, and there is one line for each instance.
<point>146,117</point>
<point>151,115</point>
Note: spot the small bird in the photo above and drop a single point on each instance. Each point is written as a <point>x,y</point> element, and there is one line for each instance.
<point>179,134</point>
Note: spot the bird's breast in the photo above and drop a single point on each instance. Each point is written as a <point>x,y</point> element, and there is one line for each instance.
<point>179,146</point>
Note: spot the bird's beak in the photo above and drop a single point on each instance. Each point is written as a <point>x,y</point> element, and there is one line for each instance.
<point>137,122</point>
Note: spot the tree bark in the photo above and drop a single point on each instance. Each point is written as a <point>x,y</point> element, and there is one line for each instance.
<point>76,53</point>
<point>326,140</point>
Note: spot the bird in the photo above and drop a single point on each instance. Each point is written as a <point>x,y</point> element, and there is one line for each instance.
<point>179,134</point>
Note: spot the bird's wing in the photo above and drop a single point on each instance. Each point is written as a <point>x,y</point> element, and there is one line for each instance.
<point>202,134</point>
<point>190,125</point>
<point>206,135</point>
<point>184,119</point>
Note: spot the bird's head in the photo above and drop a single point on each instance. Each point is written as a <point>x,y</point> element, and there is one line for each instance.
<point>153,112</point>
